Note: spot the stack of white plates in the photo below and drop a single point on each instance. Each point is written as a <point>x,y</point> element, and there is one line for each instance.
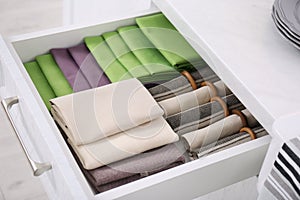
<point>286,15</point>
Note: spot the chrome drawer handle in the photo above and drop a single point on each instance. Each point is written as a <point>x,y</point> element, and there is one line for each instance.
<point>37,168</point>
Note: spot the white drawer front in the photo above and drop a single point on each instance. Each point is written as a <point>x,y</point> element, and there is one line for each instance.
<point>37,135</point>
<point>7,84</point>
<point>198,177</point>
<point>67,182</point>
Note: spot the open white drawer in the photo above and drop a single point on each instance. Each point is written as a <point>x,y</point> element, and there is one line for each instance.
<point>45,143</point>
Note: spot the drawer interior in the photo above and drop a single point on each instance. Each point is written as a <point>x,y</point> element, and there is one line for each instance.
<point>27,47</point>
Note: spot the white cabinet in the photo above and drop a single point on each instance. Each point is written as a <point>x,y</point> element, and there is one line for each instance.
<point>32,123</point>
<point>237,40</point>
<point>82,11</point>
<point>286,134</point>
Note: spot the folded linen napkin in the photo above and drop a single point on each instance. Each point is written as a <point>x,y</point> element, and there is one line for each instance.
<point>54,75</point>
<point>203,115</point>
<point>97,113</point>
<point>169,41</point>
<point>124,55</point>
<point>70,69</point>
<point>218,130</point>
<point>125,144</point>
<point>114,70</point>
<point>88,65</point>
<point>230,141</point>
<point>158,78</point>
<point>181,85</point>
<point>191,99</point>
<point>40,82</point>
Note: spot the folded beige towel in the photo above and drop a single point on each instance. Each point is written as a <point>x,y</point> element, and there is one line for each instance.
<point>126,144</point>
<point>93,114</point>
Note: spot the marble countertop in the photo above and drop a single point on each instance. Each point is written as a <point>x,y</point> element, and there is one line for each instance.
<point>240,42</point>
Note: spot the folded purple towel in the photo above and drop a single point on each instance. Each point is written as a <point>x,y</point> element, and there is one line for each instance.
<point>137,167</point>
<point>70,69</point>
<point>88,65</point>
<point>114,184</point>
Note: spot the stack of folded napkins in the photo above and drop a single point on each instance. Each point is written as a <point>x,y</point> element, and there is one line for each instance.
<point>137,167</point>
<point>113,122</point>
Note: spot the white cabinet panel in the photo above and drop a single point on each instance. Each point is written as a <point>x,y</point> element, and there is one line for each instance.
<point>16,179</point>
<point>65,180</point>
<point>37,135</point>
<point>87,11</point>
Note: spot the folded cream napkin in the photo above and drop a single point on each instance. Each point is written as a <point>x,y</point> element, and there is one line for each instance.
<point>203,115</point>
<point>218,130</point>
<point>181,85</point>
<point>191,99</point>
<point>125,144</point>
<point>230,141</point>
<point>93,114</point>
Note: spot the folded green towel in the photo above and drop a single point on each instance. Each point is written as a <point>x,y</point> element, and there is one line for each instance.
<point>169,41</point>
<point>124,55</point>
<point>40,82</point>
<point>144,50</point>
<point>54,75</point>
<point>106,59</point>
<point>159,78</point>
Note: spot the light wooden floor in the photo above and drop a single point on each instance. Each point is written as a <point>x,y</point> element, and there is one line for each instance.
<point>16,180</point>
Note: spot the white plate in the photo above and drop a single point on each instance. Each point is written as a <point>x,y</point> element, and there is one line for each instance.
<point>281,19</point>
<point>289,12</point>
<point>285,34</point>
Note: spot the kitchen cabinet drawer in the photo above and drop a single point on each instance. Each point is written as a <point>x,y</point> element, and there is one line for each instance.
<point>45,143</point>
<point>33,128</point>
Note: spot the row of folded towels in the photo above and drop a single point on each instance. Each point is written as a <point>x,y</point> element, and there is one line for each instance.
<point>149,51</point>
<point>121,131</point>
<point>121,106</point>
<point>116,129</point>
<point>116,116</point>
<point>124,117</point>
